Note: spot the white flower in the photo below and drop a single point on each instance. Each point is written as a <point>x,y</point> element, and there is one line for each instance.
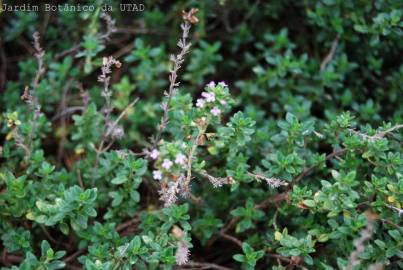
<point>210,97</point>
<point>117,133</point>
<point>211,84</point>
<point>154,154</point>
<point>180,159</point>
<point>215,111</point>
<point>200,102</point>
<point>157,175</point>
<point>222,84</point>
<point>167,164</point>
<point>223,102</point>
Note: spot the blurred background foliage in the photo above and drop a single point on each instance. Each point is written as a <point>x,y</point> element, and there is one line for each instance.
<point>271,53</point>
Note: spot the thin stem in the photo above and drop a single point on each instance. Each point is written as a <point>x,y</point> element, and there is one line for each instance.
<point>128,223</point>
<point>101,149</point>
<point>192,151</point>
<point>177,61</point>
<point>120,116</point>
<point>31,99</point>
<point>68,110</point>
<point>331,53</point>
<point>378,135</point>
<point>232,239</point>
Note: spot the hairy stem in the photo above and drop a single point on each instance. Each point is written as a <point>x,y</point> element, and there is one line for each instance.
<point>177,61</point>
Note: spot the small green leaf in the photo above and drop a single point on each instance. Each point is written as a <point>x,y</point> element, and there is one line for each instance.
<point>309,203</point>
<point>119,179</point>
<point>239,258</point>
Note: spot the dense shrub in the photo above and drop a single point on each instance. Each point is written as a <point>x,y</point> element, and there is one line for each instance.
<point>242,135</point>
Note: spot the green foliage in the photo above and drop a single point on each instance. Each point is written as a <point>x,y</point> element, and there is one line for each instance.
<point>75,207</point>
<point>248,215</point>
<point>292,246</point>
<point>250,257</point>
<point>277,144</point>
<point>48,260</point>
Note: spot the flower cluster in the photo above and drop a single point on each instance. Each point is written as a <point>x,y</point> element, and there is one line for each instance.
<point>170,163</point>
<point>172,181</point>
<point>169,160</point>
<point>214,99</point>
<point>182,253</point>
<point>173,160</point>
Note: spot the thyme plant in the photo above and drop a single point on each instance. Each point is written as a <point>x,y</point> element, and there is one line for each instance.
<point>202,135</point>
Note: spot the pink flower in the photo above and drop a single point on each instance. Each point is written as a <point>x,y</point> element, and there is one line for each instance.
<point>157,175</point>
<point>210,97</point>
<point>222,84</point>
<point>215,111</point>
<point>182,253</point>
<point>211,84</point>
<point>200,102</point>
<point>154,154</point>
<point>180,159</point>
<point>167,164</point>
